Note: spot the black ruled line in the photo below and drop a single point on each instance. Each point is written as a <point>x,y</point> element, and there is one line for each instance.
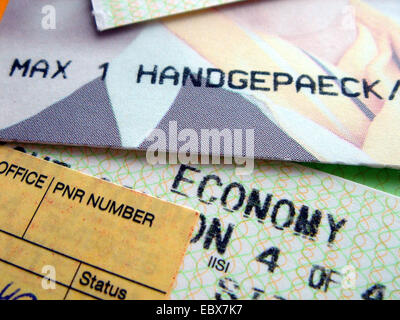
<point>23,235</point>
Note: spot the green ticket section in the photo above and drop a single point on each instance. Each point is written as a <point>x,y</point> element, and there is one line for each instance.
<point>384,179</point>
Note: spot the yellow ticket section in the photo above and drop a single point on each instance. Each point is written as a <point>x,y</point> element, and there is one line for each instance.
<point>66,235</point>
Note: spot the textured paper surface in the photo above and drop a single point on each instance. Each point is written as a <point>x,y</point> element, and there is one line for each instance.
<point>114,13</point>
<point>364,251</point>
<point>103,241</point>
<point>340,106</point>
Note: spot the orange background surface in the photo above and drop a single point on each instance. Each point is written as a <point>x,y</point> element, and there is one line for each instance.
<point>3,6</point>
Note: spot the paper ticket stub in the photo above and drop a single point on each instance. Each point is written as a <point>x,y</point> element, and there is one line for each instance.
<point>285,232</point>
<point>230,80</point>
<point>114,13</point>
<point>66,235</point>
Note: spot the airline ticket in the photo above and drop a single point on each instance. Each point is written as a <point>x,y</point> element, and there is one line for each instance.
<point>285,232</point>
<point>66,235</point>
<point>114,13</point>
<point>324,86</point>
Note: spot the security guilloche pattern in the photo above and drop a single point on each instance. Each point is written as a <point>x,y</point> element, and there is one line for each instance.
<point>285,232</point>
